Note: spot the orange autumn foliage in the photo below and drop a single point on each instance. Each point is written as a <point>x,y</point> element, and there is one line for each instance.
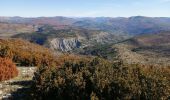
<point>8,69</point>
<point>60,60</point>
<point>25,53</point>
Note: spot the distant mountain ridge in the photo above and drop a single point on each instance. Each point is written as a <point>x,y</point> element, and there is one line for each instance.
<point>130,25</point>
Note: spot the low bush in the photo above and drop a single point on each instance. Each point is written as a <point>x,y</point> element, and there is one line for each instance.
<point>98,79</point>
<point>8,69</point>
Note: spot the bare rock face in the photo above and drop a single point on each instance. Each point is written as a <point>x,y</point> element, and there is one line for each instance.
<point>65,44</point>
<point>70,43</point>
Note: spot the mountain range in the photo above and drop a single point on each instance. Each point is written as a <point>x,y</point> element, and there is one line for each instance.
<point>65,34</point>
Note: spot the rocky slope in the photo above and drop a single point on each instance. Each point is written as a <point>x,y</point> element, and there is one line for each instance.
<point>71,43</point>
<point>64,44</point>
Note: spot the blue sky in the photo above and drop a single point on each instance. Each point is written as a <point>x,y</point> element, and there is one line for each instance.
<point>85,8</point>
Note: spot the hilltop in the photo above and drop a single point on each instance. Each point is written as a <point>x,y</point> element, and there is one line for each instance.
<point>150,49</point>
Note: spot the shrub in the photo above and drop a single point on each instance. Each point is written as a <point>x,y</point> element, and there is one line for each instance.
<point>25,53</point>
<point>8,69</point>
<point>99,79</point>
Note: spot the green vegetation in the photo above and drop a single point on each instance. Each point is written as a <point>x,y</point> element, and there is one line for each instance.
<point>100,50</point>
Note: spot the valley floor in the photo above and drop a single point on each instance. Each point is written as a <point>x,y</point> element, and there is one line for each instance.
<point>18,87</point>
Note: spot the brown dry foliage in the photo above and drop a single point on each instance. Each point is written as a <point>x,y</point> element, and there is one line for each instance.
<point>60,60</point>
<point>25,53</point>
<point>83,78</point>
<point>8,69</point>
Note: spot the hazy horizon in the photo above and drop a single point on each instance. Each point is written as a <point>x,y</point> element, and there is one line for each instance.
<point>81,16</point>
<point>85,8</point>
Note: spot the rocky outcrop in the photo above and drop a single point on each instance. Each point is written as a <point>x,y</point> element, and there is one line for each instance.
<point>70,43</point>
<point>65,44</point>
